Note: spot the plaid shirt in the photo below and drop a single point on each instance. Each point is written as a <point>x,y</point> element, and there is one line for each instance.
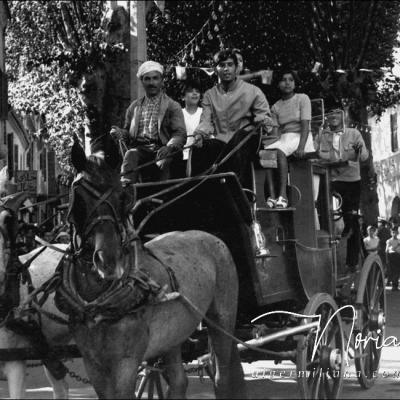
<point>148,121</point>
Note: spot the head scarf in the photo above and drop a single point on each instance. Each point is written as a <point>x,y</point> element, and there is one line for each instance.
<point>149,66</point>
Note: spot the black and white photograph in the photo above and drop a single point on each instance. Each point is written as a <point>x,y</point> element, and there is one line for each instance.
<point>199,199</point>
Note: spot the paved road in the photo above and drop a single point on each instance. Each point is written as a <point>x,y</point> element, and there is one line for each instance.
<point>282,385</point>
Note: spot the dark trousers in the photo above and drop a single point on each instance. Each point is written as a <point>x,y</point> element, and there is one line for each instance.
<point>214,150</point>
<point>138,156</point>
<point>350,193</point>
<point>394,269</point>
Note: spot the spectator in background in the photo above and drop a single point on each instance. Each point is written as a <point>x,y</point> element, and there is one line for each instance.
<point>48,236</point>
<point>383,235</point>
<point>393,258</point>
<point>246,75</point>
<point>371,242</point>
<point>63,237</point>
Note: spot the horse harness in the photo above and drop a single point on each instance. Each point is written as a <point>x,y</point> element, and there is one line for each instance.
<point>126,295</point>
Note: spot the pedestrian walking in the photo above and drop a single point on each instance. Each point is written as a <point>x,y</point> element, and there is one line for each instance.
<point>383,235</point>
<point>393,258</point>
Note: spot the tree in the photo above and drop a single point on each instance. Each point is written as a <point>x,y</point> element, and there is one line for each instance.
<point>353,40</point>
<point>58,57</point>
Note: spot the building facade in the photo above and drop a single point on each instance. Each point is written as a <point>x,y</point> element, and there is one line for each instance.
<point>386,151</point>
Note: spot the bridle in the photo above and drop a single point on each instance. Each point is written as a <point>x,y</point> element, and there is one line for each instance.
<point>91,222</point>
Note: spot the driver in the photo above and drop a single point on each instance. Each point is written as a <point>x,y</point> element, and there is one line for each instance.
<point>154,128</point>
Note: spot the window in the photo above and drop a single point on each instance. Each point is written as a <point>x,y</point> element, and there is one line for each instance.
<point>3,96</point>
<point>10,154</point>
<point>16,157</point>
<point>393,130</point>
<point>43,164</point>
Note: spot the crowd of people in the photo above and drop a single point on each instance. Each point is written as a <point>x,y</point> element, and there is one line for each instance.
<point>158,130</point>
<point>384,240</point>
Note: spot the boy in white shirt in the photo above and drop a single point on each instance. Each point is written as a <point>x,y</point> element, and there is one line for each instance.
<point>191,112</point>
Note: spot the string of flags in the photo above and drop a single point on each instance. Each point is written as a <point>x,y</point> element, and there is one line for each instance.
<point>209,30</point>
<point>181,75</point>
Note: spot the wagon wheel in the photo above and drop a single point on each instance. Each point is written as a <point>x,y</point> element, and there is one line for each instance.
<point>321,376</point>
<point>371,311</point>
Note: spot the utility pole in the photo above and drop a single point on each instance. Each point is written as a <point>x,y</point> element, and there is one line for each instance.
<point>138,40</point>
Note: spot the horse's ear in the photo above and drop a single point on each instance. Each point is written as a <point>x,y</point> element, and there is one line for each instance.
<point>78,156</point>
<point>106,145</point>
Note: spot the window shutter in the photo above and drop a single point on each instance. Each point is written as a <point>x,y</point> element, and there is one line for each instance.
<point>393,129</point>
<point>51,173</point>
<point>3,96</point>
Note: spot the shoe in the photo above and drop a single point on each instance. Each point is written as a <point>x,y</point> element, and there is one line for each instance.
<point>282,202</point>
<point>271,203</point>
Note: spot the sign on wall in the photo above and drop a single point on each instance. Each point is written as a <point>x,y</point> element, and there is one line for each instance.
<point>26,181</point>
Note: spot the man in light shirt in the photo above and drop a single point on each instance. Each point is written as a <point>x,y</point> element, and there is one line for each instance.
<point>371,242</point>
<point>229,107</point>
<point>338,143</point>
<point>393,258</point>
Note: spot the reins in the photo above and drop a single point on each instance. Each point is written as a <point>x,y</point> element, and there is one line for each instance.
<point>124,148</point>
<point>206,175</point>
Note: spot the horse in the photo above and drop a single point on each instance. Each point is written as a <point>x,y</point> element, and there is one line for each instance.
<point>140,322</point>
<point>15,371</point>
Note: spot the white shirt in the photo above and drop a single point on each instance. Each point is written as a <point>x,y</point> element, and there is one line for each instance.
<point>371,244</point>
<point>191,122</point>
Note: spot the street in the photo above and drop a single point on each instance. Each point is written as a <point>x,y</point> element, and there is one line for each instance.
<point>272,381</point>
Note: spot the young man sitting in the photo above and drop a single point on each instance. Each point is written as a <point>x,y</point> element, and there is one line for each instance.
<point>228,107</point>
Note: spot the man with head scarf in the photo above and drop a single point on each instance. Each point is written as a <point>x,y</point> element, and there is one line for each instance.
<point>154,128</point>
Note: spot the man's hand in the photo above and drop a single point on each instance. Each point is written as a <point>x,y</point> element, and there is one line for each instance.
<point>165,152</point>
<point>357,148</point>
<point>299,153</point>
<point>118,133</point>
<point>198,140</point>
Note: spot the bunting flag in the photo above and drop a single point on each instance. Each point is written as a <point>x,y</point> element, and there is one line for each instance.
<point>209,30</point>
<point>181,75</point>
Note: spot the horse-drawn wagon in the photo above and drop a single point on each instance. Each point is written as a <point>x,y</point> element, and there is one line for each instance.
<point>296,301</point>
<point>300,271</point>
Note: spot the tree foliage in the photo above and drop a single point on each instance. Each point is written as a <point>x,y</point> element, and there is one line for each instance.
<point>344,36</point>
<point>49,45</point>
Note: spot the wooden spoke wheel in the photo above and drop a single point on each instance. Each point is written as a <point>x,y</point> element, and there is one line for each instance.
<point>370,322</point>
<point>321,376</point>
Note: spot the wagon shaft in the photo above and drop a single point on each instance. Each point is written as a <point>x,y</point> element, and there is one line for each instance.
<point>29,353</point>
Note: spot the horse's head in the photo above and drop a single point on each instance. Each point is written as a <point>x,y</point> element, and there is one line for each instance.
<point>96,212</point>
